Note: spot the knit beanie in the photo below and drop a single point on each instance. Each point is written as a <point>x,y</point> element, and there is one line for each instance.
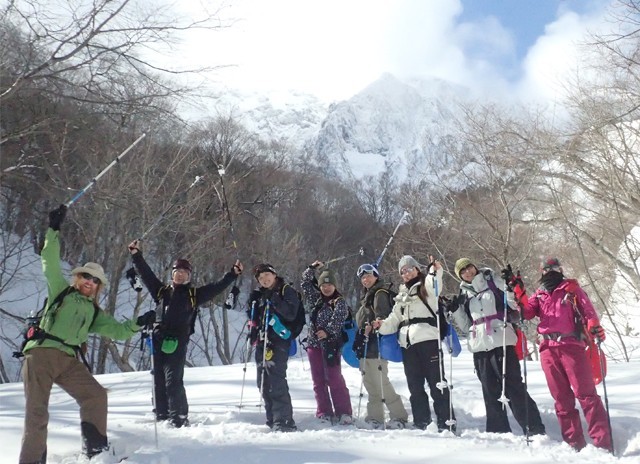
<point>327,277</point>
<point>460,265</point>
<point>408,261</point>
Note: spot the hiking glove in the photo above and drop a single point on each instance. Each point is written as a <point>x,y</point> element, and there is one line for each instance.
<point>57,216</point>
<point>147,319</point>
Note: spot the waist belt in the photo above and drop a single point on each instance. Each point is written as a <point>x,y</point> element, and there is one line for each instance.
<point>417,320</point>
<point>557,336</point>
<point>487,321</point>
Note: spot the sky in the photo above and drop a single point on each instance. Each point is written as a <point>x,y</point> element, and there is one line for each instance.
<point>334,48</point>
<point>222,432</point>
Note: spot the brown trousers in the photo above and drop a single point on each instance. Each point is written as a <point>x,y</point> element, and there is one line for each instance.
<point>42,368</point>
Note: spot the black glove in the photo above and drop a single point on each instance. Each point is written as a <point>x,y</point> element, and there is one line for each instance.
<point>147,319</point>
<point>507,273</point>
<point>134,279</point>
<point>512,280</point>
<point>452,305</point>
<point>57,216</point>
<point>267,293</point>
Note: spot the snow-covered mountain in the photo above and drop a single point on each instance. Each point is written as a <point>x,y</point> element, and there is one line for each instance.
<point>390,123</point>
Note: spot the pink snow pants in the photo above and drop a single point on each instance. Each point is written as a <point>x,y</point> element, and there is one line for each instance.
<point>568,374</point>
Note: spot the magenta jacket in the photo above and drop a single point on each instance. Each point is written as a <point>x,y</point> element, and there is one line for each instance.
<point>556,313</point>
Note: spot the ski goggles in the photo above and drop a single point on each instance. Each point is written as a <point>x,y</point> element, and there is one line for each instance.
<point>367,269</point>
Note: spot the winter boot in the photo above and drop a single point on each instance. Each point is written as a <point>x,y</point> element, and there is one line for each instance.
<point>93,442</point>
<point>285,426</point>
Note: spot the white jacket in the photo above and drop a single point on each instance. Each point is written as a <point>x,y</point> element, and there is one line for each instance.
<point>483,322</point>
<point>408,305</point>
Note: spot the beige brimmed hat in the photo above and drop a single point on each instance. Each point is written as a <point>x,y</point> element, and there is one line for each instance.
<point>94,269</point>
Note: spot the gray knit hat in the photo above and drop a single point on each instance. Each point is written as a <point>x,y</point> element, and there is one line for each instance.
<point>327,277</point>
<point>408,261</point>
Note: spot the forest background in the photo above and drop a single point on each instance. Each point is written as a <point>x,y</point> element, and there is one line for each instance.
<point>509,186</point>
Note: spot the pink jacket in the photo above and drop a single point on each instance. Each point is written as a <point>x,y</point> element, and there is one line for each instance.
<point>556,312</point>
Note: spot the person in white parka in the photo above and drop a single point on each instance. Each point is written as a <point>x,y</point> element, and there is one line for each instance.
<point>479,311</point>
<point>414,318</point>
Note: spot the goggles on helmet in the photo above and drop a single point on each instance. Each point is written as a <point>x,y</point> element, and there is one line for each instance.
<point>367,269</point>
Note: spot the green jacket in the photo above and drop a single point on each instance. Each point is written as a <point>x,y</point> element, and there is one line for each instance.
<point>71,320</point>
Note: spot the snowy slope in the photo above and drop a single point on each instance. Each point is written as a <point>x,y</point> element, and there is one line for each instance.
<point>221,432</point>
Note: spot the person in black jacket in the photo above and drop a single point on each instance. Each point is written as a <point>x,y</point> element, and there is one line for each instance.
<point>175,319</point>
<point>279,302</point>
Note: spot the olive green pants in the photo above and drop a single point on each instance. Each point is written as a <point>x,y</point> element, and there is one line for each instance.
<point>376,381</point>
<point>42,368</point>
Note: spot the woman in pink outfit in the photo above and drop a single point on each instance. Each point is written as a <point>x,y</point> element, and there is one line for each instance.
<point>558,301</point>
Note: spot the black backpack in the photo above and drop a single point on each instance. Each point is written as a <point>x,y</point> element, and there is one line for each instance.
<point>295,326</point>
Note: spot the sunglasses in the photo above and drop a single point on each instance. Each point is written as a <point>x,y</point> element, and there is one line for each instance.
<point>87,276</point>
<point>367,269</point>
<point>407,270</point>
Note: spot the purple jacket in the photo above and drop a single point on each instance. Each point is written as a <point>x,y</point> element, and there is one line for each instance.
<point>556,312</point>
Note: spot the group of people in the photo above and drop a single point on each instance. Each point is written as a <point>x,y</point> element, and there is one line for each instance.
<point>485,309</point>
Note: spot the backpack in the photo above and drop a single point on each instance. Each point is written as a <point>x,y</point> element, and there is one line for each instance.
<point>33,331</point>
<point>295,326</point>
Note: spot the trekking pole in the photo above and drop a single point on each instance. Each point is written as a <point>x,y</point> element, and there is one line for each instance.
<point>246,359</point>
<point>232,297</point>
<point>103,172</point>
<point>334,260</point>
<point>264,350</point>
<point>503,397</point>
<point>451,422</point>
<point>604,388</point>
<point>303,349</point>
<point>405,215</point>
<point>153,383</point>
<point>166,211</point>
<point>384,425</point>
<point>525,355</point>
<point>443,383</point>
<point>363,372</point>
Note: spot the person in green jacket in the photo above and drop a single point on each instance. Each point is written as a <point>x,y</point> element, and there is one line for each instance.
<point>51,356</point>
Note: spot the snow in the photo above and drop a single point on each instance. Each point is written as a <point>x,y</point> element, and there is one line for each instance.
<point>222,432</point>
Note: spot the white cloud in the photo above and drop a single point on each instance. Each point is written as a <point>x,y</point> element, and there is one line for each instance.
<point>554,60</point>
<point>334,48</point>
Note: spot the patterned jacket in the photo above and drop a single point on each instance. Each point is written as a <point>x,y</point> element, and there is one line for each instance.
<point>327,314</point>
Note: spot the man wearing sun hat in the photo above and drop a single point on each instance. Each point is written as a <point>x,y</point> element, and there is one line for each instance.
<point>51,354</point>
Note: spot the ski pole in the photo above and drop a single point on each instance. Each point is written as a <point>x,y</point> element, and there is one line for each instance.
<point>503,398</point>
<point>384,250</point>
<point>525,355</point>
<point>451,422</point>
<point>103,172</point>
<point>153,385</point>
<point>363,372</point>
<point>384,425</point>
<point>266,315</point>
<point>334,260</point>
<point>303,348</point>
<point>166,211</point>
<point>246,358</point>
<point>604,388</point>
<point>232,297</point>
<point>443,383</point>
